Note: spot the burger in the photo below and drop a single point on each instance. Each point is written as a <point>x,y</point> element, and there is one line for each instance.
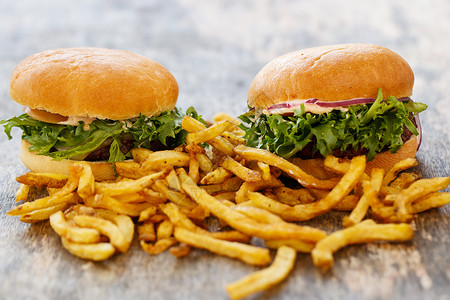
<point>341,100</point>
<point>94,105</point>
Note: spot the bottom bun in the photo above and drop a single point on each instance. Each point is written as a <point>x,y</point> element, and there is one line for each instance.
<point>45,164</point>
<point>386,160</point>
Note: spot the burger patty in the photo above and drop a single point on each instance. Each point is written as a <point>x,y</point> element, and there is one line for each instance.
<point>307,151</point>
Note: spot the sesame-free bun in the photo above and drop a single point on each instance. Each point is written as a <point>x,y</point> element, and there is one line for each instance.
<point>45,164</point>
<point>331,73</point>
<point>94,82</point>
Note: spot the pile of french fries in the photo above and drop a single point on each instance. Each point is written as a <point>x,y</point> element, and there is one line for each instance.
<point>168,196</point>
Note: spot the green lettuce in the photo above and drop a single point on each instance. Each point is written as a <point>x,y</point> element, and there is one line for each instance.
<point>375,127</point>
<point>78,141</point>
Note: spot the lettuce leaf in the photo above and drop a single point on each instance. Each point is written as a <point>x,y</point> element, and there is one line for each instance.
<point>77,142</point>
<point>375,127</point>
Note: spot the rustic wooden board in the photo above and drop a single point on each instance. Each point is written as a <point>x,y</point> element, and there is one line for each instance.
<point>214,49</point>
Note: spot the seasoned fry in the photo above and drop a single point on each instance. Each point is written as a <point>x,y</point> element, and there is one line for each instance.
<point>364,232</point>
<point>140,154</point>
<point>245,224</point>
<point>249,254</point>
<point>165,159</point>
<point>129,169</point>
<point>194,166</point>
<point>205,163</point>
<point>360,211</point>
<point>293,197</point>
<point>207,134</point>
<point>246,187</point>
<point>432,200</point>
<point>86,184</point>
<point>216,176</point>
<point>398,167</point>
<point>22,192</point>
<point>192,125</point>
<point>261,280</point>
<point>240,171</point>
<point>420,188</point>
<point>109,202</point>
<point>303,212</point>
<point>292,170</point>
<point>127,186</point>
<point>52,180</point>
<point>336,165</point>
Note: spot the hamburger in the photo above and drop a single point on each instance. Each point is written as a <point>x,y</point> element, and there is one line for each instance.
<point>341,100</point>
<point>93,104</point>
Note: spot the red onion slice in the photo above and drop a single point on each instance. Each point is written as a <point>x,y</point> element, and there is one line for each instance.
<point>329,103</point>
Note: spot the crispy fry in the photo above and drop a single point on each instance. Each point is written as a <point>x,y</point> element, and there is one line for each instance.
<point>293,196</point>
<point>52,180</point>
<point>207,134</point>
<point>22,192</point>
<point>44,203</point>
<point>180,251</point>
<point>347,204</point>
<point>127,186</point>
<point>249,254</point>
<point>86,184</point>
<point>360,211</point>
<point>140,154</point>
<point>245,224</point>
<point>258,281</point>
<point>420,188</point>
<point>265,170</point>
<point>292,170</point>
<point>246,187</point>
<point>205,163</point>
<point>364,232</point>
<point>398,167</point>
<point>303,212</point>
<point>129,169</point>
<point>336,165</point>
<point>165,159</point>
<point>431,200</point>
<point>109,202</point>
<point>194,166</point>
<point>44,213</point>
<point>240,171</point>
<point>298,245</point>
<point>146,232</point>
<point>158,247</point>
<point>216,176</point>
<point>192,125</point>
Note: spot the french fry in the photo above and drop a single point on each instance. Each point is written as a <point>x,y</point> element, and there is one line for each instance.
<point>240,171</point>
<point>95,252</point>
<point>127,186</point>
<point>204,162</point>
<point>336,165</point>
<point>431,200</point>
<point>207,134</point>
<point>44,203</point>
<point>86,184</point>
<point>108,202</point>
<point>347,204</point>
<point>246,187</point>
<point>292,170</point>
<point>194,166</point>
<point>218,175</point>
<point>249,254</point>
<point>233,138</point>
<point>247,225</point>
<point>364,232</point>
<point>179,219</point>
<point>303,212</point>
<point>22,192</point>
<point>192,125</point>
<point>360,211</point>
<point>265,170</point>
<point>129,169</point>
<point>140,154</point>
<point>52,180</point>
<point>146,232</point>
<point>420,188</point>
<point>158,247</point>
<point>165,159</point>
<point>71,232</point>
<point>180,251</point>
<point>264,279</point>
<point>43,214</point>
<point>293,196</point>
<point>298,245</point>
<point>398,167</point>
<point>106,228</point>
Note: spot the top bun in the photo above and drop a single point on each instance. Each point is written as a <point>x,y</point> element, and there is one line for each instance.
<point>332,73</point>
<point>94,82</point>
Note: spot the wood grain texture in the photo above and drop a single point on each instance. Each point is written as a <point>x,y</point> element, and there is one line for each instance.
<point>214,48</point>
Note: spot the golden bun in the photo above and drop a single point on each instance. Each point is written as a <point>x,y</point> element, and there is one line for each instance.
<point>45,164</point>
<point>332,73</point>
<point>94,82</point>
<point>386,160</point>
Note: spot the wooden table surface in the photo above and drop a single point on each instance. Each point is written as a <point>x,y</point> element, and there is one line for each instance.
<point>214,48</point>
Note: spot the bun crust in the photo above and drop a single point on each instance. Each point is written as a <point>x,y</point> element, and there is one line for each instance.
<point>45,164</point>
<point>332,73</point>
<point>386,160</point>
<point>94,82</point>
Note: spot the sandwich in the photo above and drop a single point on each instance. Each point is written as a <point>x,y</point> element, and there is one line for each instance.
<point>341,100</point>
<point>94,105</point>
